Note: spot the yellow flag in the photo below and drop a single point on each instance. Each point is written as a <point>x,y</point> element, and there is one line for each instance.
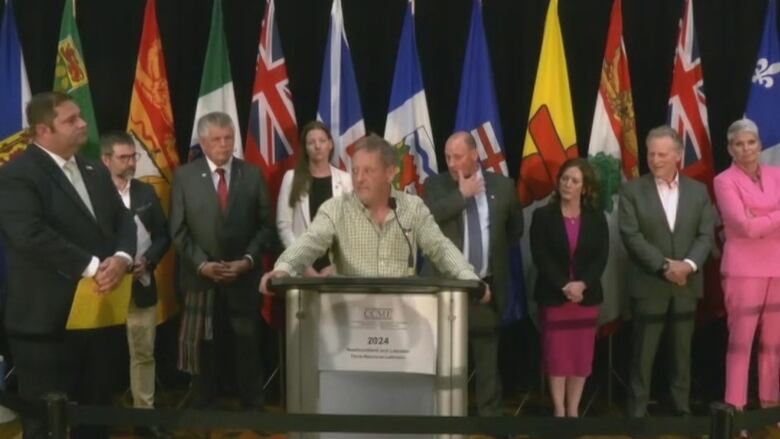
<point>550,138</point>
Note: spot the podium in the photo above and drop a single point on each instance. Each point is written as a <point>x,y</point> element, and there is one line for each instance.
<point>393,346</point>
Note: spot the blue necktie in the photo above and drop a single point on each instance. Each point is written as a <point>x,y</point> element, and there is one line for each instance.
<point>475,234</point>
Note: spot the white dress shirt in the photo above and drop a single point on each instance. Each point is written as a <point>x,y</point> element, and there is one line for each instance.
<point>669,193</point>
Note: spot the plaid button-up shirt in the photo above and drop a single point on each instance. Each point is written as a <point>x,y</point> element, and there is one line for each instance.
<point>360,247</point>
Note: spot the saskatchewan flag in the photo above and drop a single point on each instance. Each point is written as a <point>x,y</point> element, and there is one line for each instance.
<point>70,76</point>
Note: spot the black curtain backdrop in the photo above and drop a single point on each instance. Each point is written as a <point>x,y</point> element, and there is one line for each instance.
<point>729,32</point>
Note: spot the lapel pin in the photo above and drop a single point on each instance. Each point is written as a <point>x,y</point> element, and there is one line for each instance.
<point>203,175</point>
<point>88,167</point>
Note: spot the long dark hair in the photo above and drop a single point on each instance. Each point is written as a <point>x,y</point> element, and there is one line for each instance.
<point>302,176</point>
<point>590,183</point>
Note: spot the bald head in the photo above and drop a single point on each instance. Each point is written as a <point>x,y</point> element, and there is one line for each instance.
<point>461,154</point>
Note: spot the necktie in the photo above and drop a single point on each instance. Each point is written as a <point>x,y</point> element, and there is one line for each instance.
<point>78,183</point>
<point>475,234</point>
<point>222,190</point>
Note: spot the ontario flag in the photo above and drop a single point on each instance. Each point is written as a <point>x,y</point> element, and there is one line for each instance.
<point>477,104</point>
<point>339,107</point>
<point>151,124</point>
<point>14,89</point>
<point>613,153</point>
<point>408,125</point>
<point>551,138</point>
<point>272,137</point>
<point>688,116</point>
<point>478,114</point>
<point>687,112</point>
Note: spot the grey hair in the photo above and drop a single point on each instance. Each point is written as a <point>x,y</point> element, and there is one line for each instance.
<point>374,143</point>
<point>744,125</point>
<point>466,136</point>
<point>664,131</point>
<point>215,118</point>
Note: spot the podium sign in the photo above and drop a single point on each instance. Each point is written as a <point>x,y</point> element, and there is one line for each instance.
<point>378,333</point>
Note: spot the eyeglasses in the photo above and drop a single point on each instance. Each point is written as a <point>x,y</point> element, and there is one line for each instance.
<point>126,157</point>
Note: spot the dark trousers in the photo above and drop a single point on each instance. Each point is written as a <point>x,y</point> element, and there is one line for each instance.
<point>483,344</point>
<point>235,350</point>
<point>74,364</point>
<point>650,317</point>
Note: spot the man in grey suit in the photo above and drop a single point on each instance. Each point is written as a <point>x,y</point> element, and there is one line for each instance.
<point>666,221</point>
<point>472,206</point>
<point>221,223</point>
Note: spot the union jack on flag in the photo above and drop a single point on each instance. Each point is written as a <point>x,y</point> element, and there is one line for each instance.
<point>688,105</point>
<point>272,140</point>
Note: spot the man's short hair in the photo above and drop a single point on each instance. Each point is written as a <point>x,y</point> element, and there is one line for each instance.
<point>214,119</point>
<point>107,141</point>
<point>664,131</point>
<point>374,143</point>
<point>741,126</point>
<point>42,108</point>
<point>466,136</point>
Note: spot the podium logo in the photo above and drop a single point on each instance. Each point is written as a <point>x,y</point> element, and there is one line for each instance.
<point>378,313</point>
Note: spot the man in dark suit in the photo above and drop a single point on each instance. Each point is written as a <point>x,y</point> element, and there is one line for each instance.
<point>666,222</point>
<point>476,207</point>
<point>152,242</point>
<point>221,222</point>
<point>62,220</point>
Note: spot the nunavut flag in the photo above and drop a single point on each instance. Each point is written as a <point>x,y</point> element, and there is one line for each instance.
<point>550,138</point>
<point>151,124</point>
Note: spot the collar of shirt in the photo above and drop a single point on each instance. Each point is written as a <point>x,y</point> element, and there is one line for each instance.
<point>213,167</point>
<point>754,178</point>
<point>61,162</point>
<point>674,184</point>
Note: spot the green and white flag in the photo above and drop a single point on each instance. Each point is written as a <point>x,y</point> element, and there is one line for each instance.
<point>216,84</point>
<point>70,76</point>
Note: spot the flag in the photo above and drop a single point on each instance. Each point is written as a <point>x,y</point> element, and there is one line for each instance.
<point>70,76</point>
<point>477,104</point>
<point>687,114</point>
<point>216,84</point>
<point>14,89</point>
<point>613,152</point>
<point>339,106</point>
<point>150,122</point>
<point>272,137</point>
<point>14,94</point>
<point>408,125</point>
<point>764,97</point>
<point>478,114</point>
<point>687,111</point>
<point>550,138</point>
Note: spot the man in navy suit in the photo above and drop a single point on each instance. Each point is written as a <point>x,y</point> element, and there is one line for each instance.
<point>62,220</point>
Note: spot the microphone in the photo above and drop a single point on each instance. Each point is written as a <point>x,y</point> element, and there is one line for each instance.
<point>410,260</point>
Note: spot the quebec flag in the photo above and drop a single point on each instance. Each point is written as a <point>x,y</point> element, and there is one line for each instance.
<point>408,126</point>
<point>764,97</point>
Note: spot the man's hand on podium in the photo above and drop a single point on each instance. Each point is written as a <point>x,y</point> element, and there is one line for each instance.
<point>264,281</point>
<point>487,296</point>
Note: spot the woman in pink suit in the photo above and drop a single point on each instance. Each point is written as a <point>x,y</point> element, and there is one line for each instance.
<point>748,195</point>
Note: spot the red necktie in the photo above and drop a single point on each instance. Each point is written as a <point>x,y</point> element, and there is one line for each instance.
<point>222,190</point>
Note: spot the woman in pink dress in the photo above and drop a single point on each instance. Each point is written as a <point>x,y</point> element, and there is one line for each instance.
<point>569,245</point>
<point>748,195</point>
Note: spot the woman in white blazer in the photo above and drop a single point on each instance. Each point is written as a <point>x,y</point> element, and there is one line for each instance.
<point>307,186</point>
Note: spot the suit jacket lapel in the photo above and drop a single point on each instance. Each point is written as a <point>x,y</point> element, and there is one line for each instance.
<point>206,183</point>
<point>681,201</point>
<point>58,177</point>
<point>491,201</point>
<point>92,184</point>
<point>236,176</point>
<point>652,191</point>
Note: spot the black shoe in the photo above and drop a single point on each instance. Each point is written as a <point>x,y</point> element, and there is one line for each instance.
<point>153,432</point>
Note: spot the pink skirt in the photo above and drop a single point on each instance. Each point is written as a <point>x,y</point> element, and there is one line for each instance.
<point>568,338</point>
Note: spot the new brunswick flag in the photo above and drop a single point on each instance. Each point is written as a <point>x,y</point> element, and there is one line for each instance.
<point>550,138</point>
<point>70,76</point>
<point>151,124</point>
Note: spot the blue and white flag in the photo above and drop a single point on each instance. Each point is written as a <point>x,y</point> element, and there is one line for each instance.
<point>477,105</point>
<point>339,106</point>
<point>408,126</point>
<point>14,88</point>
<point>764,96</point>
